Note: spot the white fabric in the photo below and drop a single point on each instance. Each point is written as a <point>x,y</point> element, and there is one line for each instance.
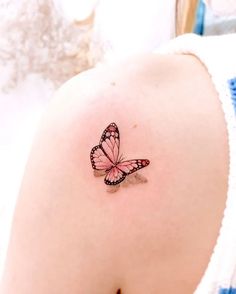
<point>127,27</point>
<point>222,8</point>
<point>218,55</point>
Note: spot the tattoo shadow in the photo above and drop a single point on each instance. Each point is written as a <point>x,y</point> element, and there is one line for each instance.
<point>132,179</point>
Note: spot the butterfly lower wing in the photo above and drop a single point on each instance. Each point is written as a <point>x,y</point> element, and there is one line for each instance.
<point>114,176</point>
<point>131,166</point>
<point>118,173</point>
<point>110,142</point>
<point>99,160</point>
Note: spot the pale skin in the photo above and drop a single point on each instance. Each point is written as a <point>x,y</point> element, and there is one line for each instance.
<point>70,236</point>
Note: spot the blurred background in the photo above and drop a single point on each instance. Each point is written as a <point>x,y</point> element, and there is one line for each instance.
<point>45,42</point>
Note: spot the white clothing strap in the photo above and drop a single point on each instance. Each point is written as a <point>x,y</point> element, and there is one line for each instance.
<point>218,54</point>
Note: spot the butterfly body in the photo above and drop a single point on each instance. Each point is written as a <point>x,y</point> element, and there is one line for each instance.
<point>104,157</point>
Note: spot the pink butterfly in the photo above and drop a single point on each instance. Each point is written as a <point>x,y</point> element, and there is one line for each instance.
<point>104,157</point>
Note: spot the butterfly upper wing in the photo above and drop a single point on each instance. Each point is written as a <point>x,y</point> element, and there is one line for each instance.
<point>105,155</point>
<point>131,166</point>
<point>99,159</point>
<point>110,142</point>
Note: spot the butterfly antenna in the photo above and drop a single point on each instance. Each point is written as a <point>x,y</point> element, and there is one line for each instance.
<point>121,158</point>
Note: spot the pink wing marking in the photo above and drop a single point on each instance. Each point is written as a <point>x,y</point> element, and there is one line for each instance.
<point>110,147</point>
<point>131,166</point>
<point>110,142</point>
<point>114,176</point>
<point>99,159</point>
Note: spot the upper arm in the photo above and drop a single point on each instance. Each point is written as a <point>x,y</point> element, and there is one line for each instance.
<point>70,236</point>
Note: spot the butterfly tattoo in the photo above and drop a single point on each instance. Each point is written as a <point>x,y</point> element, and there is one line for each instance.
<point>105,157</point>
